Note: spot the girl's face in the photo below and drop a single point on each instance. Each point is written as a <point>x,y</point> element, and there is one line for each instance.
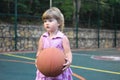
<point>51,25</point>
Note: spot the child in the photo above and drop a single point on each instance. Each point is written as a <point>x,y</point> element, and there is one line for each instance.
<point>54,22</point>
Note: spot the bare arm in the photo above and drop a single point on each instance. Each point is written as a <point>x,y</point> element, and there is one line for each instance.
<point>40,46</point>
<point>67,51</point>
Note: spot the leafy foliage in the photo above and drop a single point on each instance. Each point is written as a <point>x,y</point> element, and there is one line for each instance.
<point>91,11</point>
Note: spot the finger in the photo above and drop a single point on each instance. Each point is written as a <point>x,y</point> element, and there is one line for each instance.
<point>66,59</point>
<point>64,68</point>
<point>36,63</point>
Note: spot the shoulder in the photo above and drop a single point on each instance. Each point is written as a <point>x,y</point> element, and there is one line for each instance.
<point>65,38</point>
<point>60,34</point>
<point>45,34</point>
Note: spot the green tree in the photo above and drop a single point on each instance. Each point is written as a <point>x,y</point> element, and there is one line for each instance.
<point>66,7</point>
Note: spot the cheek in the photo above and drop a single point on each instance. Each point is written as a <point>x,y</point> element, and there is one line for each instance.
<point>44,25</point>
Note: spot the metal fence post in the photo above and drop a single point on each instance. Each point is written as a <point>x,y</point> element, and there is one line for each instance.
<point>15,25</point>
<point>98,24</point>
<point>77,20</point>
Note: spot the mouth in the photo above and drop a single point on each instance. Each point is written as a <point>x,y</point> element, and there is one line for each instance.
<point>47,27</point>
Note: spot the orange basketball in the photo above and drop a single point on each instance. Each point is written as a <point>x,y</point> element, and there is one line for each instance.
<point>50,62</point>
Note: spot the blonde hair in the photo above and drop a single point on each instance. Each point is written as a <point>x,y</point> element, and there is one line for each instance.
<point>54,12</point>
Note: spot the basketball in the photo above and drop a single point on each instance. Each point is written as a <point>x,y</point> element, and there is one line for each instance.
<point>50,62</point>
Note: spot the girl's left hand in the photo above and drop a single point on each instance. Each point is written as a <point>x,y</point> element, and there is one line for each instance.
<point>36,63</point>
<point>67,64</point>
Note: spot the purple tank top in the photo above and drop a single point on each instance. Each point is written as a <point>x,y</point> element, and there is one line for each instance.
<point>56,41</point>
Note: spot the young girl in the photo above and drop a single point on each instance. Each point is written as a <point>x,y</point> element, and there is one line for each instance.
<point>53,37</point>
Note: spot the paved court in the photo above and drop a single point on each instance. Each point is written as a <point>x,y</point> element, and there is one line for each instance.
<point>90,64</point>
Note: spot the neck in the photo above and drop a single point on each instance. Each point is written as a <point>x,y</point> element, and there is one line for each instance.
<point>51,34</point>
